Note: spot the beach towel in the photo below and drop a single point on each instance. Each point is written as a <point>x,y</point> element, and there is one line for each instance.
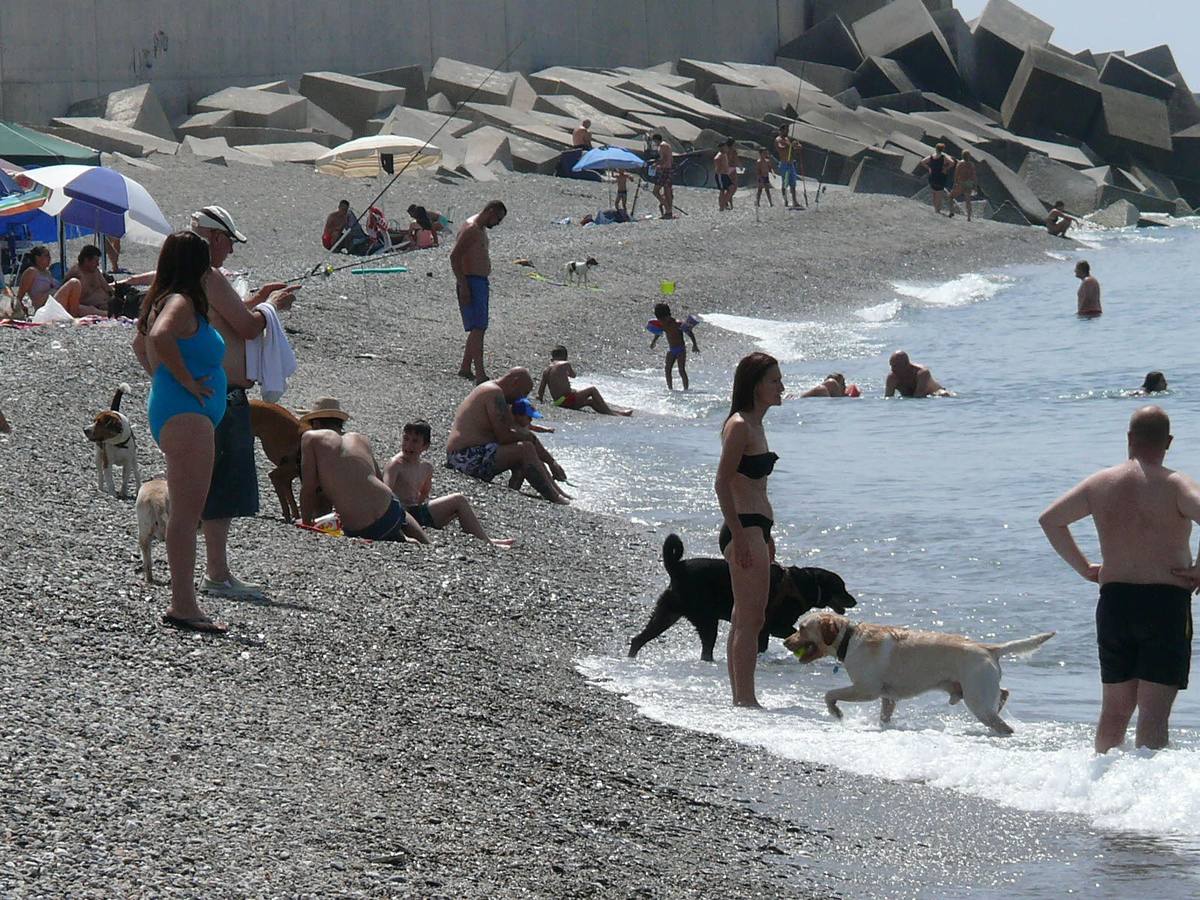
<point>270,360</point>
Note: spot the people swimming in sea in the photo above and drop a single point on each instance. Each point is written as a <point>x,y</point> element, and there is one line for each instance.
<point>910,379</point>
<point>1155,383</point>
<point>1088,298</point>
<point>557,378</point>
<point>834,385</point>
<point>664,323</point>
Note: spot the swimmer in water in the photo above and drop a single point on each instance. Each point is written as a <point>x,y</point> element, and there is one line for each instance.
<point>1155,383</point>
<point>910,379</point>
<point>833,386</point>
<point>1088,298</point>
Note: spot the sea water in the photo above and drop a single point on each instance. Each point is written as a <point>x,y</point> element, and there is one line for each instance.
<point>929,510</point>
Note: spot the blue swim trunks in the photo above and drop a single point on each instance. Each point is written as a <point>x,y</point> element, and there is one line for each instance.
<point>475,313</point>
<point>388,527</point>
<point>787,171</point>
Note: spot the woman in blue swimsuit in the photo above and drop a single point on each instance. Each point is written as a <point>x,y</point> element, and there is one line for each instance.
<point>184,355</point>
<point>745,538</point>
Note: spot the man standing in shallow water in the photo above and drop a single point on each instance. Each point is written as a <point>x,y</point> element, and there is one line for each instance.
<point>1143,514</point>
<point>471,262</point>
<point>1089,291</point>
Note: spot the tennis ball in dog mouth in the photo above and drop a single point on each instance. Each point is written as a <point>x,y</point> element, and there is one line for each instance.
<point>805,652</point>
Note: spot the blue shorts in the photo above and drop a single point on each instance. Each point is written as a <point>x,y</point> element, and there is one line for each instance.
<point>787,171</point>
<point>388,527</point>
<point>233,492</point>
<point>475,313</point>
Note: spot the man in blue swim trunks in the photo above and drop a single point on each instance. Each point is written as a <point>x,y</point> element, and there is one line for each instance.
<point>1143,514</point>
<point>485,441</point>
<point>343,469</point>
<point>471,262</point>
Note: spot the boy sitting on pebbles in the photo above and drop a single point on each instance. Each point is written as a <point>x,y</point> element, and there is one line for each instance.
<point>523,413</point>
<point>411,481</point>
<point>557,377</point>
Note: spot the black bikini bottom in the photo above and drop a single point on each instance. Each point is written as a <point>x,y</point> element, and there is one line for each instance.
<point>748,520</point>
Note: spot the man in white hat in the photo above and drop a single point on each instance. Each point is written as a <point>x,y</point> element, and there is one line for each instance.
<point>233,492</point>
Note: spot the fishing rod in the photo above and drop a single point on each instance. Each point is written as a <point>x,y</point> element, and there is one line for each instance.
<point>800,155</point>
<point>316,270</point>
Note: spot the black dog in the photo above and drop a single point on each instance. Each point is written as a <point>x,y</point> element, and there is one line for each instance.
<point>701,592</point>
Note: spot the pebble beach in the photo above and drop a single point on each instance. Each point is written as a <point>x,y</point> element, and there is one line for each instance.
<point>405,721</point>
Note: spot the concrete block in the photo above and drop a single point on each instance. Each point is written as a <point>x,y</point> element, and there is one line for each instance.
<point>259,108</point>
<point>850,98</point>
<point>959,39</point>
<point>1130,125</point>
<point>112,159</point>
<point>1053,181</point>
<point>306,152</point>
<point>110,137</point>
<point>830,42</point>
<point>870,178</point>
<point>1121,72</point>
<point>1009,215</point>
<point>593,88</point>
<point>514,120</point>
<point>420,124</point>
<point>778,79</point>
<point>577,110</point>
<point>136,107</point>
<point>483,149</point>
<point>459,80</point>
<point>679,104</point>
<point>666,77</point>
<point>411,78</point>
<point>1157,184</point>
<point>209,149</point>
<point>678,132</point>
<point>830,79</point>
<point>350,99</point>
<point>1052,92</point>
<point>1001,185</point>
<point>527,155</point>
<point>1144,202</point>
<point>319,119</point>
<point>275,87</point>
<point>1099,174</point>
<point>1182,107</point>
<point>478,172</point>
<point>849,10</point>
<point>749,103</point>
<point>440,104</point>
<point>192,124</point>
<point>1182,209</point>
<point>1119,214</point>
<point>1002,34</point>
<point>237,137</point>
<point>523,94</point>
<point>880,77</point>
<point>706,74</point>
<point>908,102</point>
<point>904,31</point>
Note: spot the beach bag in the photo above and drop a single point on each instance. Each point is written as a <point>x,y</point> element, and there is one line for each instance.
<point>51,311</point>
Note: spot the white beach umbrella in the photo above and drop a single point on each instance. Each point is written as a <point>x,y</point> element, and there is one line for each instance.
<point>360,158</point>
<point>101,200</point>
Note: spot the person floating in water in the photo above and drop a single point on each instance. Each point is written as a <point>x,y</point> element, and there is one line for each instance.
<point>1143,514</point>
<point>664,323</point>
<point>1088,297</point>
<point>1155,383</point>
<point>834,385</point>
<point>910,379</point>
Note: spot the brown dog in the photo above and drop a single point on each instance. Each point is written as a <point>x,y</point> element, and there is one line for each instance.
<point>279,433</point>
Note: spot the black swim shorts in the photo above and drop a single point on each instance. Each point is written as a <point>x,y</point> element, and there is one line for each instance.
<point>233,492</point>
<point>1144,631</point>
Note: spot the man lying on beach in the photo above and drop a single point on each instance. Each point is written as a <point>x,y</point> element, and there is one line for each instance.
<point>1088,298</point>
<point>557,377</point>
<point>342,468</point>
<point>834,385</point>
<point>485,441</point>
<point>410,479</point>
<point>523,413</point>
<point>1143,513</point>
<point>910,379</point>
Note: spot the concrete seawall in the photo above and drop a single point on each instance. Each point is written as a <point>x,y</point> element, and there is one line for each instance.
<point>56,52</point>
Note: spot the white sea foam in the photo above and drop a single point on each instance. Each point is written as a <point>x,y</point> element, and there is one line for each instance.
<point>1045,767</point>
<point>791,342</point>
<point>881,312</point>
<point>961,291</point>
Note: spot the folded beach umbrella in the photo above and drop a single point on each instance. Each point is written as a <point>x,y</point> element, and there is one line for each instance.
<point>18,202</point>
<point>102,200</point>
<point>364,157</point>
<point>608,158</point>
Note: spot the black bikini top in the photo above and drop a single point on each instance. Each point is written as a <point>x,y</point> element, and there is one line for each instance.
<point>760,465</point>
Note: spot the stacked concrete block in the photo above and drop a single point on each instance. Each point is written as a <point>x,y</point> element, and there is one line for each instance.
<point>136,107</point>
<point>110,137</point>
<point>830,42</point>
<point>577,110</point>
<point>1130,125</point>
<point>423,125</point>
<point>411,78</point>
<point>195,124</point>
<point>527,155</point>
<point>1002,34</point>
<point>275,87</point>
<point>882,77</point>
<point>1009,214</point>
<point>1119,214</point>
<point>849,10</point>
<point>459,80</point>
<point>306,152</point>
<point>350,99</point>
<point>830,79</point>
<point>254,109</point>
<point>596,89</point>
<point>1001,185</point>
<point>748,102</point>
<point>1182,107</point>
<point>905,31</point>
<point>217,150</point>
<point>706,74</point>
<point>1123,73</point>
<point>319,119</point>
<point>871,178</point>
<point>1145,202</point>
<point>1053,181</point>
<point>678,132</point>
<point>1051,90</point>
<point>489,147</point>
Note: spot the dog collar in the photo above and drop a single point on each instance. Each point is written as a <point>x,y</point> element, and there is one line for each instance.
<point>844,644</point>
<point>124,443</point>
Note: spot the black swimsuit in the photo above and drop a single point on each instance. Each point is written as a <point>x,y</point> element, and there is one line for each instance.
<point>756,467</point>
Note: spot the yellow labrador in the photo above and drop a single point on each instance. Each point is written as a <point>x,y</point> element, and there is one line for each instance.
<point>890,664</point>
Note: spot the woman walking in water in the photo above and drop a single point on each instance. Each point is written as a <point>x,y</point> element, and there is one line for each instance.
<point>745,540</point>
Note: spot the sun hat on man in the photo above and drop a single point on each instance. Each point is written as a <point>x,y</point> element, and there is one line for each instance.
<point>218,219</point>
<point>325,408</point>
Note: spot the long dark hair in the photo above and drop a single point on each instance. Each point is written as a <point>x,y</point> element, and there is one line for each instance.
<point>750,372</point>
<point>182,265</point>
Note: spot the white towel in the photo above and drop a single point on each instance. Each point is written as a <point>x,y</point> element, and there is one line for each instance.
<point>269,357</point>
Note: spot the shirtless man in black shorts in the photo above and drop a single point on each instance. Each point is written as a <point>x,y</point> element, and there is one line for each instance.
<point>1143,514</point>
<point>910,379</point>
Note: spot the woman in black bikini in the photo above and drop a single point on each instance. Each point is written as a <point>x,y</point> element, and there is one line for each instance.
<point>940,165</point>
<point>745,539</point>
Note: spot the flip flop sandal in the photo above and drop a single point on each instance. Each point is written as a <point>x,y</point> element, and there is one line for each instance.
<point>202,624</point>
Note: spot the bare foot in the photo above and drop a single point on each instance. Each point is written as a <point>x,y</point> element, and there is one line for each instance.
<point>506,543</point>
<point>562,500</point>
<point>200,623</point>
<point>465,373</point>
<point>752,703</point>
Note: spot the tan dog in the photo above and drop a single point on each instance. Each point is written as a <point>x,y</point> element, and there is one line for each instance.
<point>279,433</point>
<point>153,511</point>
<point>890,664</point>
<point>115,446</point>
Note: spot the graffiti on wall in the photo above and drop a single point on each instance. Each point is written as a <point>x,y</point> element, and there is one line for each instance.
<point>144,58</point>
